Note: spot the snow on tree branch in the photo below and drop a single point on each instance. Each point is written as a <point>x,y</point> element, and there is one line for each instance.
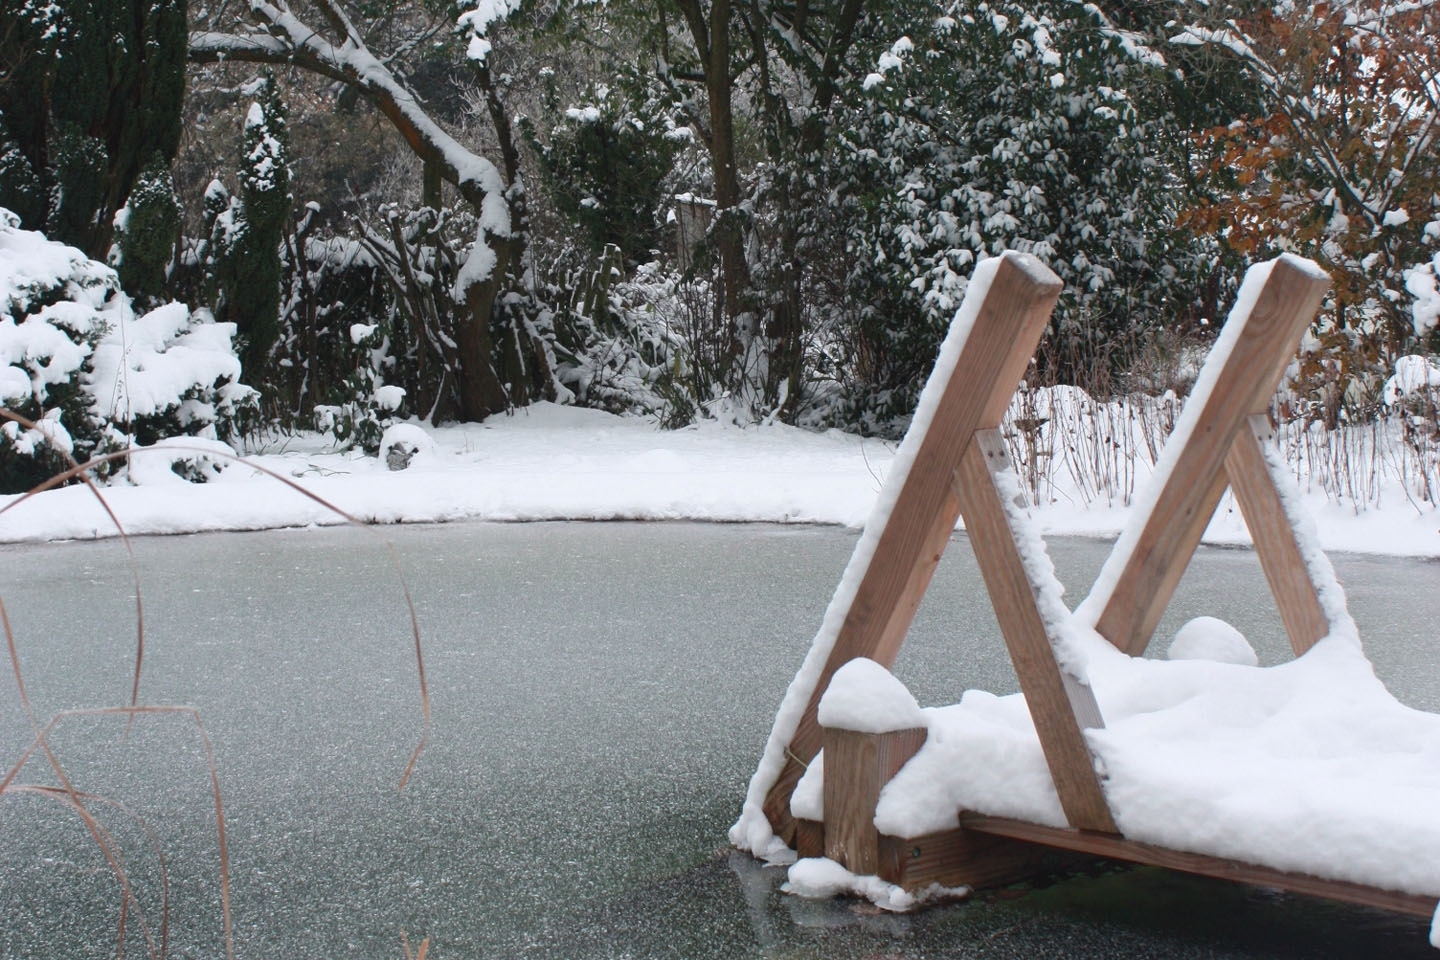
<point>287,39</point>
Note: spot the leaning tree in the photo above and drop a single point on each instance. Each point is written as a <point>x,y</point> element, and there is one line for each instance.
<point>497,360</point>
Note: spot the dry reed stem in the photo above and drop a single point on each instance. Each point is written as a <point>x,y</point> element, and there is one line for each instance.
<point>60,796</point>
<point>75,798</point>
<point>418,954</point>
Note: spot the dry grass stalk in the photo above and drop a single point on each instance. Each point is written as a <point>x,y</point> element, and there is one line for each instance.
<point>79,801</point>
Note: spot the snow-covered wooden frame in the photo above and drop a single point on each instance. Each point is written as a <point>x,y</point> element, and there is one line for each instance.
<point>955,463</point>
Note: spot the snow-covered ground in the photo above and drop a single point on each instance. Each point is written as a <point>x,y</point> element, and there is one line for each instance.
<point>549,462</point>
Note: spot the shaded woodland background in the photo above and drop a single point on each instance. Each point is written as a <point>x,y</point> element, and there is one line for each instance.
<point>736,209</point>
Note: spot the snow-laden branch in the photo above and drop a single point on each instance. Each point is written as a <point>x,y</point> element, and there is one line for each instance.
<point>287,39</point>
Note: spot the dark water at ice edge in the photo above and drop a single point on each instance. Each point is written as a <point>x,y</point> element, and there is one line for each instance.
<point>600,696</point>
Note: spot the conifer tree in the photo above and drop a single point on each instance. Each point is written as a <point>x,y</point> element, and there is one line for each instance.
<point>148,229</point>
<point>92,91</point>
<point>246,238</point>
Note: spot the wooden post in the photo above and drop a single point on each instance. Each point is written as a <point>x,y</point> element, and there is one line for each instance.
<point>1244,385</point>
<point>1296,596</point>
<point>857,767</point>
<point>992,360</point>
<point>1061,707</point>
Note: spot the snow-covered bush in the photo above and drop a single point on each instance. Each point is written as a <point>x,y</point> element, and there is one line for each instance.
<point>605,162</point>
<point>1423,282</point>
<point>147,229</point>
<point>1019,125</point>
<point>76,360</point>
<point>370,406</point>
<point>612,340</point>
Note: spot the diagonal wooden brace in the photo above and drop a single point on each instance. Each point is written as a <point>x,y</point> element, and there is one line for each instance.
<point>1061,707</point>
<point>1222,449</point>
<point>975,395</point>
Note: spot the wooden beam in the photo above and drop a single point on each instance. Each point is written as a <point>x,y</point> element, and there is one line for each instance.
<point>809,838</point>
<point>857,767</point>
<point>1295,593</point>
<point>964,858</point>
<point>1118,848</point>
<point>991,362</point>
<point>1243,385</point>
<point>1061,710</point>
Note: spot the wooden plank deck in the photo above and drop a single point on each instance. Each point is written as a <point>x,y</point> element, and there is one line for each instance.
<point>1118,848</point>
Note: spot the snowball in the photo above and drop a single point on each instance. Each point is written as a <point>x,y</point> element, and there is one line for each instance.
<point>1210,638</point>
<point>389,397</point>
<point>865,697</point>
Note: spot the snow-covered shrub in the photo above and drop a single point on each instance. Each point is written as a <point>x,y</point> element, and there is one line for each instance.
<point>1423,282</point>
<point>76,359</point>
<point>605,162</point>
<point>1016,126</point>
<point>370,406</point>
<point>245,237</point>
<point>146,231</point>
<point>612,344</point>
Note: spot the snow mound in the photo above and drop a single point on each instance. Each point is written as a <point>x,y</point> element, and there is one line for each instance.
<point>179,460</point>
<point>865,697</point>
<point>819,878</point>
<point>807,800</point>
<point>1210,638</point>
<point>403,443</point>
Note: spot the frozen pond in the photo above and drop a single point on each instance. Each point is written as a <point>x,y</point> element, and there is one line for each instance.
<point>600,694</point>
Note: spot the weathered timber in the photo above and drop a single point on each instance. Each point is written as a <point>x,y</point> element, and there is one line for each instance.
<point>964,858</point>
<point>809,838</point>
<point>857,767</point>
<point>1118,848</point>
<point>1268,335</point>
<point>1296,596</point>
<point>1061,710</point>
<point>991,362</point>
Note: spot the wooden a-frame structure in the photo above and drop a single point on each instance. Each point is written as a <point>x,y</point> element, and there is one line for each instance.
<point>956,472</point>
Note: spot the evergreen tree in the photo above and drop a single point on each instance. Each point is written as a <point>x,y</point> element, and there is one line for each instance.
<point>1009,124</point>
<point>92,91</point>
<point>605,165</point>
<point>149,226</point>
<point>246,238</point>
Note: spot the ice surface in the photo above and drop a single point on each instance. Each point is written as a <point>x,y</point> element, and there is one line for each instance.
<point>752,831</point>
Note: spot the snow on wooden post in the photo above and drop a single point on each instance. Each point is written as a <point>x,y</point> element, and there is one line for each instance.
<point>1276,303</point>
<point>872,727</point>
<point>973,387</point>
